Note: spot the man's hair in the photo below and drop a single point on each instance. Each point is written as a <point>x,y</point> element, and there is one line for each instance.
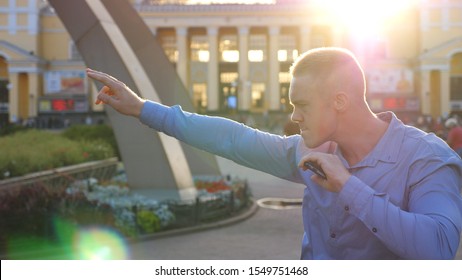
<point>333,68</point>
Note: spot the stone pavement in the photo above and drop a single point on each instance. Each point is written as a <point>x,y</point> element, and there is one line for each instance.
<point>267,234</point>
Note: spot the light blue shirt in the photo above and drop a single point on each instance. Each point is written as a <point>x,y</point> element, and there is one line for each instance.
<point>402,201</point>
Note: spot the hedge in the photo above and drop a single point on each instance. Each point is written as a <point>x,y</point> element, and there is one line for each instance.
<point>35,150</point>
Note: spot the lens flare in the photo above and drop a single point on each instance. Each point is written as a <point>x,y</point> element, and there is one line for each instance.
<point>99,244</point>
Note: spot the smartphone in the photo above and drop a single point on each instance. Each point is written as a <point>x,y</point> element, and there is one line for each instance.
<point>316,169</point>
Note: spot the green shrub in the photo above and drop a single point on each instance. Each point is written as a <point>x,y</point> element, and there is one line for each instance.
<point>92,133</point>
<point>11,129</point>
<point>34,150</point>
<point>147,221</point>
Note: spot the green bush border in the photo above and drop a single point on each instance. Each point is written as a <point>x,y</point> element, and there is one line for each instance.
<point>33,150</point>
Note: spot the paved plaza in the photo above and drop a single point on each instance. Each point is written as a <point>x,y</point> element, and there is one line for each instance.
<point>268,234</point>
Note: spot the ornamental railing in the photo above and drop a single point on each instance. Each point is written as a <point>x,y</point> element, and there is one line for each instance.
<point>63,176</point>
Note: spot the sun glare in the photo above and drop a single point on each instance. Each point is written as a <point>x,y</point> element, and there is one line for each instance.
<point>364,17</point>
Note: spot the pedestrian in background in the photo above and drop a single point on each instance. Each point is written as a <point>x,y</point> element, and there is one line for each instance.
<point>454,138</point>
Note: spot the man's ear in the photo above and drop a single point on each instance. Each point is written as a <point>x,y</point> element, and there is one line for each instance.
<point>341,101</point>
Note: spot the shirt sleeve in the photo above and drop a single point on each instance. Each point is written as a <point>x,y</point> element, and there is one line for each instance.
<point>250,147</point>
<point>429,229</point>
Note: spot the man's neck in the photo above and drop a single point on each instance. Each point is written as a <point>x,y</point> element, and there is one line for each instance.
<point>361,139</point>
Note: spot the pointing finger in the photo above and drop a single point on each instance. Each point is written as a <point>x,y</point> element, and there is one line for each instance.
<point>102,77</point>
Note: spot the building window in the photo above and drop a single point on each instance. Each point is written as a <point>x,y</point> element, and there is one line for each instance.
<point>287,48</point>
<point>228,90</point>
<point>284,77</point>
<point>228,48</point>
<point>200,96</point>
<point>456,77</point>
<point>284,84</point>
<point>258,94</point>
<point>456,88</point>
<point>228,77</point>
<point>168,43</point>
<point>257,48</point>
<point>284,100</point>
<point>455,16</point>
<point>200,49</point>
<point>434,16</point>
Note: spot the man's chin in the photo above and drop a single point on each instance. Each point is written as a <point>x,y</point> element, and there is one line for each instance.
<point>309,143</point>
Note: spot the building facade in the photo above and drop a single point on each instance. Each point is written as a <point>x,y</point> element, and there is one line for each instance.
<point>235,57</point>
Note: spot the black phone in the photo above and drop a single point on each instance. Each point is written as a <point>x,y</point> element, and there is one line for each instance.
<point>316,169</point>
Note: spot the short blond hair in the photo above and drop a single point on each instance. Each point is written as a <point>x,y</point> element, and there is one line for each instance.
<point>331,67</point>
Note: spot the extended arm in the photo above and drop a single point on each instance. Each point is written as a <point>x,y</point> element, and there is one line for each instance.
<point>252,148</point>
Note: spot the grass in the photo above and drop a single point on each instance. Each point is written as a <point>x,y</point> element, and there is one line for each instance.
<point>35,150</point>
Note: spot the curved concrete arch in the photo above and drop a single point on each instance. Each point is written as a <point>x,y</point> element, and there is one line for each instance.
<point>111,37</point>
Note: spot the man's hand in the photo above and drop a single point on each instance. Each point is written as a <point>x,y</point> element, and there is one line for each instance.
<point>116,94</point>
<point>336,173</point>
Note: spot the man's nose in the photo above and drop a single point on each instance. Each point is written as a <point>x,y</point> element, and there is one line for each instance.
<point>295,117</point>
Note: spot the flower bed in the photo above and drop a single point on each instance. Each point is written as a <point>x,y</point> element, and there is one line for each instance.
<point>41,211</point>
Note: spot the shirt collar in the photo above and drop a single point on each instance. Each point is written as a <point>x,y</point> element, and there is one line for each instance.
<point>389,146</point>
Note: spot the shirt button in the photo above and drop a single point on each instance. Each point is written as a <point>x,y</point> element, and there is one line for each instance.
<point>347,208</point>
<point>374,229</point>
<point>332,235</point>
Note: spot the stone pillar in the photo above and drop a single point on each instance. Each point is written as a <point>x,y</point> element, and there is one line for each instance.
<point>243,69</point>
<point>274,69</point>
<point>182,47</point>
<point>445,95</point>
<point>212,70</point>
<point>33,94</point>
<point>425,92</point>
<point>13,97</point>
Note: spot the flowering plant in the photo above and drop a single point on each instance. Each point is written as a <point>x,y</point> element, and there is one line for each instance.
<point>34,211</point>
<point>132,212</point>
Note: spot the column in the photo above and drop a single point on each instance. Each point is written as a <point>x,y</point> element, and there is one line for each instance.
<point>13,97</point>
<point>243,69</point>
<point>425,91</point>
<point>305,34</point>
<point>182,47</point>
<point>445,88</point>
<point>33,93</point>
<point>212,67</point>
<point>274,69</point>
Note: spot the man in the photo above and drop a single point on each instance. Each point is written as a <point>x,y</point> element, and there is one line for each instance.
<point>391,191</point>
<point>454,138</point>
